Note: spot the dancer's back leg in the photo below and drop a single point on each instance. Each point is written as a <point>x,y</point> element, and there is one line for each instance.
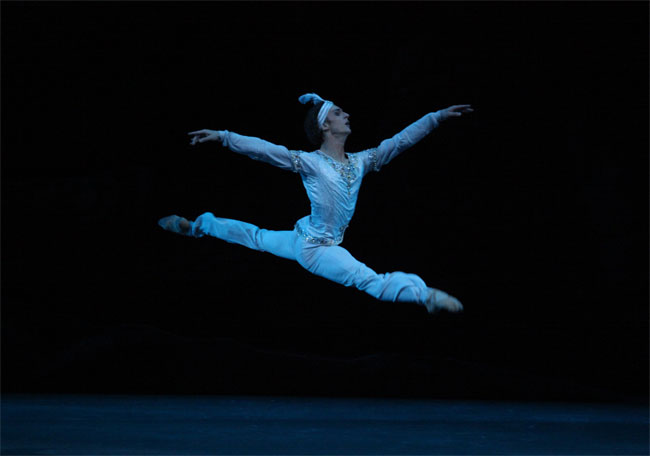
<point>279,243</point>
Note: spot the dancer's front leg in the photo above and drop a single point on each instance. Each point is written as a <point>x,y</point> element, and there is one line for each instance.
<point>337,264</point>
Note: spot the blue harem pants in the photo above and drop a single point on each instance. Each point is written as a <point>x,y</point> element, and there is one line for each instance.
<point>331,262</point>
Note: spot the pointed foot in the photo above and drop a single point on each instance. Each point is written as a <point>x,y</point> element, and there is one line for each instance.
<point>439,300</point>
<point>176,224</point>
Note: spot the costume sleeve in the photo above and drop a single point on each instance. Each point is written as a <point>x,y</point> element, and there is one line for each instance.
<point>392,147</point>
<point>258,149</point>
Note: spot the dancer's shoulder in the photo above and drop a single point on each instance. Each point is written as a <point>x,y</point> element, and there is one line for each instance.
<point>363,153</point>
<point>304,162</point>
<point>312,154</point>
<point>366,158</point>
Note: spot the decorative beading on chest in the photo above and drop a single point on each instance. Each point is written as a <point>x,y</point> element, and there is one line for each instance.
<point>348,171</point>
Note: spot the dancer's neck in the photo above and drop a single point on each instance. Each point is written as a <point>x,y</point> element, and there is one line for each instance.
<point>335,148</point>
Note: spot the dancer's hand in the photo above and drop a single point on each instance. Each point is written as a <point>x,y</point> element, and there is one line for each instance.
<point>455,111</point>
<point>201,136</point>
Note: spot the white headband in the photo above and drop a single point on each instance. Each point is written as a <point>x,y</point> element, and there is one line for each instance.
<point>322,114</point>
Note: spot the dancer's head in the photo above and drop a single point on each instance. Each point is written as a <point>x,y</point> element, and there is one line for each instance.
<point>324,118</point>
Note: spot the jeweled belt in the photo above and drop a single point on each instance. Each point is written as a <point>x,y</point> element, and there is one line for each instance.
<point>321,240</point>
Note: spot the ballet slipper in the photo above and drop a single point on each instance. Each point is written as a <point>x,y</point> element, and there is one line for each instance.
<point>439,300</point>
<point>176,224</point>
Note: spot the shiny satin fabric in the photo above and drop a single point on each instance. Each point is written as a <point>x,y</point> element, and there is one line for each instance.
<point>332,187</point>
<point>331,262</point>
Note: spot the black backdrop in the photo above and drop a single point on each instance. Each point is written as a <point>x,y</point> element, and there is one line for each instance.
<point>533,210</point>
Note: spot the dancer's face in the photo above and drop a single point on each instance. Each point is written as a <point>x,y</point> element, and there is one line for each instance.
<point>338,121</point>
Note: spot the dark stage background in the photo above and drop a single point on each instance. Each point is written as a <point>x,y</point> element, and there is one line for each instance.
<point>533,210</point>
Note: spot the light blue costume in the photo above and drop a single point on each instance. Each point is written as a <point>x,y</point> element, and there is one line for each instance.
<point>332,188</point>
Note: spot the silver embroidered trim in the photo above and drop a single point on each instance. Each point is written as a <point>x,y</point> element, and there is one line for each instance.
<point>321,241</point>
<point>374,162</point>
<point>295,160</point>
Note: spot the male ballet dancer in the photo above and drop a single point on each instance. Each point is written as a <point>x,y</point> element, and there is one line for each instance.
<point>332,178</point>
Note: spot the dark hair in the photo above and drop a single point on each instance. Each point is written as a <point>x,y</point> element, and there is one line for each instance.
<point>313,131</point>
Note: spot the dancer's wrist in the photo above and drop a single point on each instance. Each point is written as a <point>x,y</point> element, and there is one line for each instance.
<point>218,136</point>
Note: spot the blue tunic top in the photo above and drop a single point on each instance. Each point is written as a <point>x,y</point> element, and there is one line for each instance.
<point>332,186</point>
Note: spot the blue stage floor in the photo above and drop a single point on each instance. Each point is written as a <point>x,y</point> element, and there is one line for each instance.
<point>121,425</point>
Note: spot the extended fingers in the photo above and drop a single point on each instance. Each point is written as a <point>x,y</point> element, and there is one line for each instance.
<point>196,136</point>
<point>462,108</point>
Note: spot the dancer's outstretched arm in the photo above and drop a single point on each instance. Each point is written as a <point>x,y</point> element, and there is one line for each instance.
<point>392,147</point>
<point>255,148</point>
